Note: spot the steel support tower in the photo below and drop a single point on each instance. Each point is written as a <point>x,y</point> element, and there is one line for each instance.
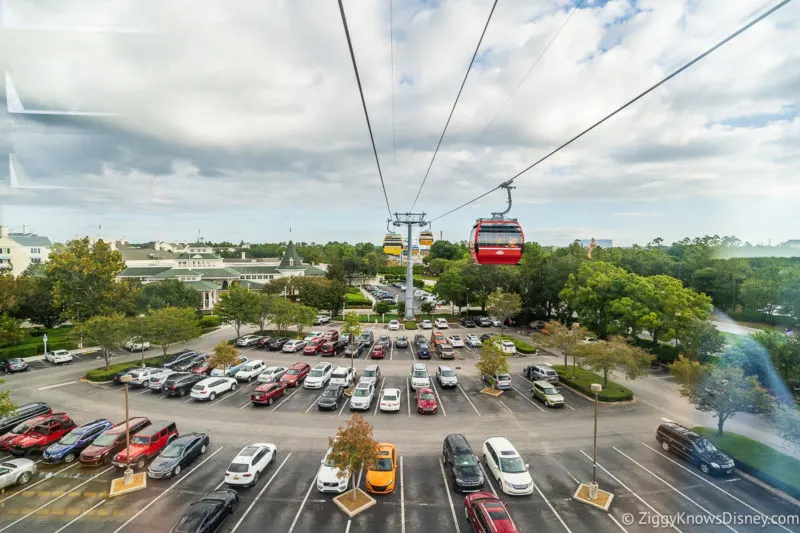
<point>409,220</point>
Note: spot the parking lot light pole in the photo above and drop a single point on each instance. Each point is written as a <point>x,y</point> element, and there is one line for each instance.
<point>128,482</point>
<point>596,388</point>
<point>128,471</point>
<point>590,493</point>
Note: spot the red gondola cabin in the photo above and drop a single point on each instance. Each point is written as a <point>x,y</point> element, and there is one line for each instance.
<point>496,241</point>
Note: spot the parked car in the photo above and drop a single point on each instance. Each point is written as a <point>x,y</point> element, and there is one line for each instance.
<point>247,340</point>
<point>437,338</point>
<point>146,444</point>
<point>487,512</point>
<point>208,513</point>
<point>70,446</point>
<point>540,372</point>
<point>157,380</point>
<point>418,377</point>
<point>36,434</point>
<point>547,393</point>
<point>331,335</point>
<point>210,388</point>
<point>378,352</point>
<point>250,371</point>
<point>393,325</point>
<point>495,322</point>
<point>181,383</point>
<point>693,448</point>
<point>110,442</point>
<point>296,374</point>
<point>467,322</point>
<point>318,376</point>
<point>510,321</point>
<point>177,357</point>
<point>426,401</point>
<point>313,346</point>
<point>267,393</point>
<point>202,368</point>
<point>506,347</point>
<point>177,455</point>
<point>10,366</point>
<point>278,344</point>
<point>371,373</point>
<point>483,321</point>
<point>390,400</point>
<point>381,475</point>
<point>507,466</point>
<point>366,337</point>
<point>190,364</point>
<point>419,338</point>
<point>459,459</point>
<point>446,377</point>
<point>141,376</point>
<point>330,398</point>
<point>328,478</point>
<point>485,337</point>
<point>385,341</point>
<point>263,342</point>
<point>362,396</point>
<point>343,376</point>
<point>16,472</point>
<point>500,381</point>
<point>122,373</point>
<point>455,341</point>
<point>23,413</point>
<point>537,325</point>
<point>445,351</point>
<point>401,341</point>
<point>137,344</point>
<point>293,346</point>
<point>231,370</point>
<point>321,319</point>
<point>58,357</point>
<point>441,323</point>
<point>250,463</point>
<point>272,374</point>
<point>426,324</point>
<point>473,341</point>
<point>332,347</point>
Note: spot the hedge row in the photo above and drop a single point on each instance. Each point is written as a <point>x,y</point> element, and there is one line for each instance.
<point>759,460</point>
<point>754,316</point>
<point>210,321</point>
<point>101,374</point>
<point>411,324</point>
<point>522,346</point>
<point>12,352</point>
<point>583,382</point>
<point>663,352</point>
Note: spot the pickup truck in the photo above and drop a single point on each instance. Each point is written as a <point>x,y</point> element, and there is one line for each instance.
<point>37,433</point>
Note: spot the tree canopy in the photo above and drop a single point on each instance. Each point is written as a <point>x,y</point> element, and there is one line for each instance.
<point>353,448</point>
<point>169,325</point>
<point>238,306</point>
<point>167,293</point>
<point>108,332</point>
<point>492,360</point>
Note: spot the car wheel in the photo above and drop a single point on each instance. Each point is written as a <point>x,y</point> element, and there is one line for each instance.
<point>704,468</point>
<point>140,464</point>
<point>176,471</point>
<point>203,449</point>
<point>182,392</point>
<point>212,396</point>
<point>69,457</point>
<point>665,446</point>
<point>547,403</point>
<point>24,478</point>
<point>233,387</point>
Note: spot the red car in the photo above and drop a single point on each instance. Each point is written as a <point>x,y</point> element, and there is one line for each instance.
<point>110,442</point>
<point>314,346</point>
<point>331,335</point>
<point>37,433</point>
<point>265,394</point>
<point>263,342</point>
<point>202,369</point>
<point>378,352</point>
<point>485,509</point>
<point>146,444</point>
<point>296,374</point>
<point>332,348</point>
<point>426,401</point>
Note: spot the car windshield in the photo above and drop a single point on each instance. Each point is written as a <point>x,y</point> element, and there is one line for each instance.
<point>369,374</point>
<point>21,428</point>
<point>247,368</point>
<point>550,390</point>
<point>172,451</point>
<point>513,465</point>
<point>427,396</point>
<point>361,392</point>
<point>419,374</point>
<point>140,440</point>
<point>106,439</point>
<point>383,464</point>
<point>70,438</point>
<point>448,373</point>
<point>390,397</point>
<point>293,372</point>
<point>401,338</point>
<point>316,374</point>
<point>331,393</point>
<point>464,460</point>
<point>704,445</point>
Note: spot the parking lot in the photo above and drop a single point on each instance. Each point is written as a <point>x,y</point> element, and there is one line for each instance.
<point>647,485</point>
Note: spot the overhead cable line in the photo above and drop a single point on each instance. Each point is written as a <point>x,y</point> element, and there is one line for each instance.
<point>532,67</point>
<point>624,106</point>
<point>455,103</point>
<point>391,58</point>
<point>364,105</point>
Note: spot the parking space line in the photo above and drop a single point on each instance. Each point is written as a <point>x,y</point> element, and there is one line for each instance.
<point>312,404</point>
<point>224,398</point>
<point>89,510</point>
<point>701,478</point>
<point>264,488</point>
<point>347,529</point>
<point>665,482</point>
<point>439,400</point>
<point>402,500</point>
<point>488,479</point>
<point>408,397</point>
<point>286,399</point>
<point>380,394</point>
<point>391,350</point>
<point>411,348</point>
<point>624,486</point>
<point>167,490</point>
<point>541,494</point>
<point>470,401</point>
<point>536,405</point>
<point>18,520</point>
<point>611,516</point>
<point>29,487</point>
<point>507,408</point>
<point>189,399</point>
<point>142,392</point>
<point>449,498</point>
<point>245,405</point>
<point>303,504</point>
<point>343,406</point>
<point>57,385</point>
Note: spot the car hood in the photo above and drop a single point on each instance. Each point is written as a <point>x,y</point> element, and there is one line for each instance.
<point>56,450</point>
<point>161,464</point>
<point>91,451</point>
<point>448,379</point>
<point>523,478</point>
<point>359,400</point>
<point>27,440</point>
<point>8,439</point>
<point>716,457</point>
<point>136,451</point>
<point>468,473</point>
<point>314,379</point>
<point>328,474</point>
<point>554,397</point>
<point>375,477</point>
<point>327,400</point>
<point>426,404</point>
<point>291,378</point>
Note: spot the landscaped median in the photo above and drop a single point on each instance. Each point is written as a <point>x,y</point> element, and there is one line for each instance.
<point>759,460</point>
<point>101,374</point>
<point>522,346</point>
<point>582,382</point>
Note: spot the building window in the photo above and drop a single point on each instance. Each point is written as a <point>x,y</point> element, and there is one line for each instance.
<point>35,250</point>
<point>36,260</point>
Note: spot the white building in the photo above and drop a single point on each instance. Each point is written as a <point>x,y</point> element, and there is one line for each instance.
<point>19,250</point>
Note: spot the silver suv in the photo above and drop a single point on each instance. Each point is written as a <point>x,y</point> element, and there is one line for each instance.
<point>500,381</point>
<point>446,377</point>
<point>419,376</point>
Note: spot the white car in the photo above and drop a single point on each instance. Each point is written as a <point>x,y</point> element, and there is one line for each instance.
<point>446,377</point>
<point>209,388</point>
<point>250,463</point>
<point>506,347</point>
<point>247,340</point>
<point>322,319</point>
<point>328,479</point>
<point>311,335</point>
<point>231,370</point>
<point>507,466</point>
<point>16,472</point>
<point>156,382</point>
<point>250,371</point>
<point>441,323</point>
<point>59,356</point>
<point>319,376</point>
<point>343,376</point>
<point>272,374</point>
<point>390,400</point>
<point>495,322</point>
<point>426,324</point>
<point>362,396</point>
<point>141,377</point>
<point>293,346</point>
<point>136,344</point>
<point>455,341</point>
<point>473,341</point>
<point>419,376</point>
<point>394,325</point>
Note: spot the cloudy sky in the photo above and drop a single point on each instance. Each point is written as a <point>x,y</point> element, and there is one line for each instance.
<point>242,119</point>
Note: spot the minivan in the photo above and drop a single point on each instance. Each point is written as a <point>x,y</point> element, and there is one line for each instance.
<point>419,376</point>
<point>465,470</point>
<point>690,446</point>
<point>507,466</point>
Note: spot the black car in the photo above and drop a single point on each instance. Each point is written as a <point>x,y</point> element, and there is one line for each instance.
<point>484,321</point>
<point>467,322</point>
<point>401,342</point>
<point>118,375</point>
<point>510,322</point>
<point>687,444</point>
<point>420,339</point>
<point>485,337</point>
<point>189,363</point>
<point>263,342</point>
<point>208,514</point>
<point>178,357</point>
<point>277,344</point>
<point>181,383</point>
<point>23,412</point>
<point>464,468</point>
<point>178,454</point>
<point>331,397</point>
<point>13,365</point>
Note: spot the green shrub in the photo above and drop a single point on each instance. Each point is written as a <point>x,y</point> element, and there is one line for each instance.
<point>374,317</point>
<point>411,324</point>
<point>522,346</point>
<point>759,460</point>
<point>28,350</point>
<point>663,352</point>
<point>210,321</point>
<point>101,374</point>
<point>754,316</point>
<point>583,382</point>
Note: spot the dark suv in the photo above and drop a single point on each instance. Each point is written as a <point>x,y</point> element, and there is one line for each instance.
<point>465,470</point>
<point>181,383</point>
<point>23,413</point>
<point>687,444</point>
<point>178,357</point>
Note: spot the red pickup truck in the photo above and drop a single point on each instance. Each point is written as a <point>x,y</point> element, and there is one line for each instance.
<point>37,433</point>
<point>146,444</point>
